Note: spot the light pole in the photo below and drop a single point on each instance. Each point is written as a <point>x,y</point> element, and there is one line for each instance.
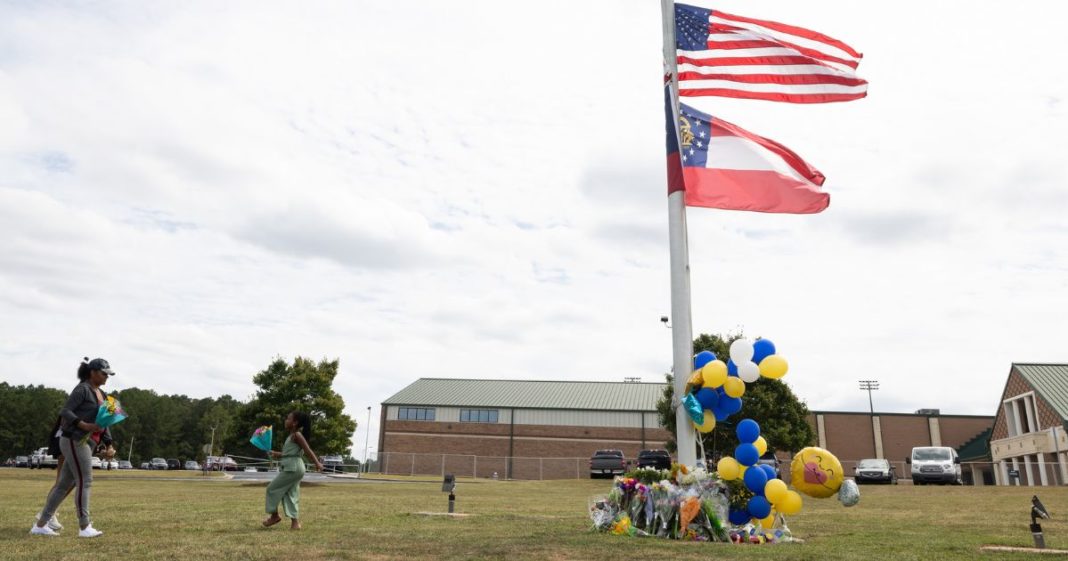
<point>870,386</point>
<point>367,440</point>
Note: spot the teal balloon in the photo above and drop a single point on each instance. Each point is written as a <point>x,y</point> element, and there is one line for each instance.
<point>693,408</point>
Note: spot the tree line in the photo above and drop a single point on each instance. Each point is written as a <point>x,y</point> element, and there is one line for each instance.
<point>178,426</point>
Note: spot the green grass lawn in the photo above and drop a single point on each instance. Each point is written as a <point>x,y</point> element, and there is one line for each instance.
<point>156,519</point>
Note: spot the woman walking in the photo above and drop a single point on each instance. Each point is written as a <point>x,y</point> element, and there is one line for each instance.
<point>80,435</point>
<point>285,487</point>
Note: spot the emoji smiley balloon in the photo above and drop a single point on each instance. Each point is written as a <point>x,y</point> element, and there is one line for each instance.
<point>816,472</point>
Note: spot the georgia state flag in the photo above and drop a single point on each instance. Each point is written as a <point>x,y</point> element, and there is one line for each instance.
<point>721,165</point>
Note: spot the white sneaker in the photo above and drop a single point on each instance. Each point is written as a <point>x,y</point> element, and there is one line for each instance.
<point>42,531</point>
<point>90,532</point>
<point>53,522</point>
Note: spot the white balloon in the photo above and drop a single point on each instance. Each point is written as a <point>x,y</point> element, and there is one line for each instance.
<point>741,351</point>
<point>749,372</point>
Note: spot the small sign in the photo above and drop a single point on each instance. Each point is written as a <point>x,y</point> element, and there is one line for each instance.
<point>449,484</point>
<point>1014,473</point>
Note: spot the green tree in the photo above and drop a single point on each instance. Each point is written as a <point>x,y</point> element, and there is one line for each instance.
<point>303,385</point>
<point>783,418</point>
<point>30,412</point>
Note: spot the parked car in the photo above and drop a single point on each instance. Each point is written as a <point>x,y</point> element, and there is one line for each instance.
<point>42,459</point>
<point>658,459</point>
<point>220,463</point>
<point>935,464</point>
<point>159,463</point>
<point>173,463</point>
<point>874,471</point>
<point>123,464</point>
<point>96,463</point>
<point>607,463</point>
<point>22,461</point>
<point>333,464</point>
<point>192,464</point>
<point>110,464</point>
<point>146,465</point>
<point>250,469</point>
<point>769,459</point>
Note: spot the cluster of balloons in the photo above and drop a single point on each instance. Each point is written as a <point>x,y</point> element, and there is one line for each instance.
<point>770,494</point>
<point>715,389</point>
<point>714,393</point>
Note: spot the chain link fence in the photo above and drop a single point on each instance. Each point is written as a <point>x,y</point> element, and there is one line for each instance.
<point>501,467</point>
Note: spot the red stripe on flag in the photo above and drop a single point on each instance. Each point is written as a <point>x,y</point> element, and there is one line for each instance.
<point>777,42</point>
<point>771,96</point>
<point>788,79</point>
<point>752,190</point>
<point>779,60</point>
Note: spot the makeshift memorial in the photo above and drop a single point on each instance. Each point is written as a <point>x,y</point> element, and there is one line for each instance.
<point>743,501</point>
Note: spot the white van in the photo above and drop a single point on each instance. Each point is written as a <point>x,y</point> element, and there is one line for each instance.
<point>934,464</point>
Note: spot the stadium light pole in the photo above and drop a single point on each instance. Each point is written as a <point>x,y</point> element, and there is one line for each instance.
<point>870,386</point>
<point>367,440</point>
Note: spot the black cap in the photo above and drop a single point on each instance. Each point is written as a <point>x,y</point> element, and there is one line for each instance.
<point>101,365</point>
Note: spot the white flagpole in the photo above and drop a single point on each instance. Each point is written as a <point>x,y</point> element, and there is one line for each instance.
<point>681,325</point>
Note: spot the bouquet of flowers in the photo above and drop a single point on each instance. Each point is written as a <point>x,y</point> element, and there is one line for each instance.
<point>109,413</point>
<point>263,438</point>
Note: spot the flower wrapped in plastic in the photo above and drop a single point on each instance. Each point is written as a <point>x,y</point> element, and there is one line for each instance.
<point>263,438</point>
<point>602,513</point>
<point>108,414</point>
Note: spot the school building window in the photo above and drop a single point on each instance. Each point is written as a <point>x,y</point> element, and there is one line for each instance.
<point>478,415</point>
<point>415,414</point>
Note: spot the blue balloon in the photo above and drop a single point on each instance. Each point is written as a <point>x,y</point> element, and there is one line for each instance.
<point>732,369</point>
<point>730,405</point>
<point>708,397</point>
<point>738,517</point>
<point>747,455</point>
<point>759,507</point>
<point>769,471</point>
<point>748,431</point>
<point>762,348</point>
<point>702,358</point>
<point>755,480</point>
<point>720,414</point>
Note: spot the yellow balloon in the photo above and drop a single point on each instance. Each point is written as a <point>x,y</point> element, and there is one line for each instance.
<point>790,503</point>
<point>734,387</point>
<point>773,367</point>
<point>709,424</point>
<point>816,472</point>
<point>775,491</point>
<point>714,374</point>
<point>761,445</point>
<point>728,468</point>
<point>767,522</point>
<point>696,379</point>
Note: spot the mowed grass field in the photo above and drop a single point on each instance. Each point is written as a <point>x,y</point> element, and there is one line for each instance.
<point>146,516</point>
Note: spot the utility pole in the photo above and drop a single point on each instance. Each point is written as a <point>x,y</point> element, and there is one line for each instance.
<point>129,453</point>
<point>870,386</point>
<point>367,440</point>
<point>212,445</point>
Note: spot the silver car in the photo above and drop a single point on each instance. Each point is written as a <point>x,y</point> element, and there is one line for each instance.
<point>874,471</point>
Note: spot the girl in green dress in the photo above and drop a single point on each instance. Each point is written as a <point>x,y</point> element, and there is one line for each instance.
<point>285,487</point>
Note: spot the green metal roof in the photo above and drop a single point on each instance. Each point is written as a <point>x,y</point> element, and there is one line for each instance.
<point>1050,381</point>
<point>530,394</point>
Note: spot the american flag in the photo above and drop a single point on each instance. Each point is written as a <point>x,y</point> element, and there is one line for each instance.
<point>724,55</point>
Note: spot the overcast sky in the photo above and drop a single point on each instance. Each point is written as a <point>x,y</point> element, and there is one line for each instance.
<point>477,189</point>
